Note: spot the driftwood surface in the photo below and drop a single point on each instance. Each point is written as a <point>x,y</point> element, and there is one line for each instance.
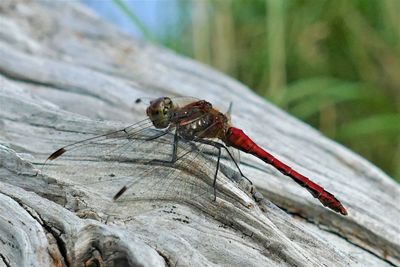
<point>66,74</point>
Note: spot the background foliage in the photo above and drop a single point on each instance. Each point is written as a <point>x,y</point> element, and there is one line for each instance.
<point>334,64</point>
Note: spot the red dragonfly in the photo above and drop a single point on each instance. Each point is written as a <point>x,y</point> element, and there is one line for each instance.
<point>197,121</point>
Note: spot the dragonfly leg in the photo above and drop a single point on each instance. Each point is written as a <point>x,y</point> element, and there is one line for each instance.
<point>174,156</point>
<point>219,146</point>
<point>216,174</point>
<point>175,148</point>
<point>169,162</point>
<point>236,164</point>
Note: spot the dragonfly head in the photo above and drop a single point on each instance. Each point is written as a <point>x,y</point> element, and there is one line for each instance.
<point>159,112</point>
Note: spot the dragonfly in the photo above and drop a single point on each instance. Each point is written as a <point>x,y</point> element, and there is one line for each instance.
<point>198,122</point>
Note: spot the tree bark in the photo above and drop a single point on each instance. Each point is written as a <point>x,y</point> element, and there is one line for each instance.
<point>65,75</point>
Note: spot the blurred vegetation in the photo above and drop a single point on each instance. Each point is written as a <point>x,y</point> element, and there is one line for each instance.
<point>333,64</point>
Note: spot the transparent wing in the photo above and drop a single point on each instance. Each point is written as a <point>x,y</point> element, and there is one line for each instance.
<point>118,138</point>
<point>135,161</point>
<point>192,176</point>
<point>107,154</point>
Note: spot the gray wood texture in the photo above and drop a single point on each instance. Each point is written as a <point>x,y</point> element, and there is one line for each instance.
<point>66,74</point>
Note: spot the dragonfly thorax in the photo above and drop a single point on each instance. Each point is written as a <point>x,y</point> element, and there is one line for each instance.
<point>197,119</point>
<point>199,128</point>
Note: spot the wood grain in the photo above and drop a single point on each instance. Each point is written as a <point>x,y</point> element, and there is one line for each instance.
<point>65,74</point>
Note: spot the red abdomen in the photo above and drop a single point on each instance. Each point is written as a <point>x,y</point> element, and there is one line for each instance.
<point>238,139</point>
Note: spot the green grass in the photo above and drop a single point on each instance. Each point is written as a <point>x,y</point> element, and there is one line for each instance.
<point>134,18</point>
<point>333,63</point>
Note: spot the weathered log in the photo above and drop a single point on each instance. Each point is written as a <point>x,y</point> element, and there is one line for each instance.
<point>65,74</point>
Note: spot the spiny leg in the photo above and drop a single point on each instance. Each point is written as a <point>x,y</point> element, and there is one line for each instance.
<point>236,164</point>
<point>219,146</point>
<point>167,162</point>
<point>216,174</point>
<point>174,157</point>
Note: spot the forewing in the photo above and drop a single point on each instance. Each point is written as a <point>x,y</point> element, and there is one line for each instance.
<point>108,155</point>
<point>190,179</point>
<point>128,164</point>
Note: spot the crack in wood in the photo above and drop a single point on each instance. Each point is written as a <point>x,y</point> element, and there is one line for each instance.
<point>50,85</point>
<point>337,233</point>
<point>165,257</point>
<point>60,243</point>
<point>75,47</point>
<point>5,260</point>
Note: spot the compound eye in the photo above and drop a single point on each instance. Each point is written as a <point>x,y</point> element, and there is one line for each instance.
<point>167,100</point>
